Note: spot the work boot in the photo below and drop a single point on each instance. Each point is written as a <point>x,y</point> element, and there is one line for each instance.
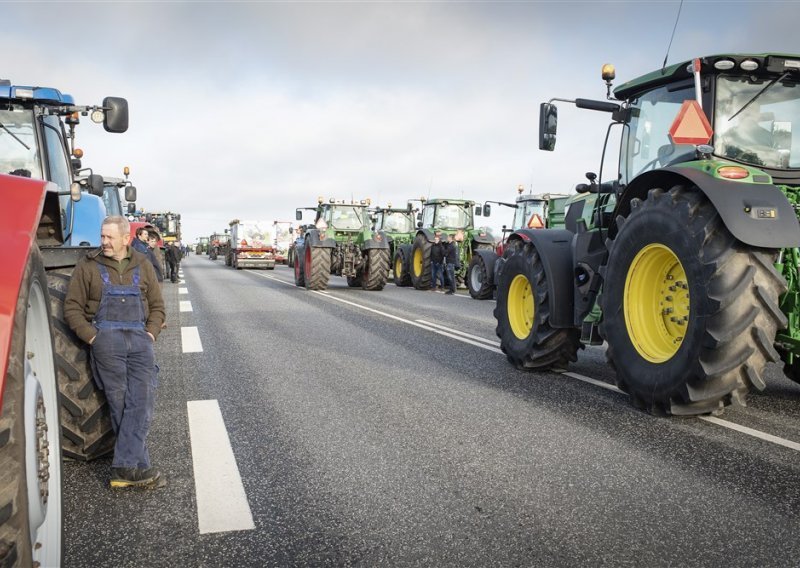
<point>142,478</point>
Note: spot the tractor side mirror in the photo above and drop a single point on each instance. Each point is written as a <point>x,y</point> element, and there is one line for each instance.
<point>409,207</point>
<point>478,210</point>
<point>548,124</point>
<point>131,208</point>
<point>115,115</point>
<point>95,183</point>
<point>130,193</point>
<point>298,215</point>
<point>487,210</point>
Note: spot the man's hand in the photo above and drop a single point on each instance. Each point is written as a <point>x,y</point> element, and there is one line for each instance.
<point>151,337</point>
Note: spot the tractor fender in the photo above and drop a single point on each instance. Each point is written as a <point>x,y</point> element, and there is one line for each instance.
<point>485,239</point>
<point>22,199</point>
<point>88,215</point>
<point>312,240</point>
<point>489,261</point>
<point>757,214</point>
<point>555,251</point>
<point>381,241</point>
<point>428,233</point>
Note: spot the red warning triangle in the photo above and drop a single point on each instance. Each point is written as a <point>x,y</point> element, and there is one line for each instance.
<point>691,125</point>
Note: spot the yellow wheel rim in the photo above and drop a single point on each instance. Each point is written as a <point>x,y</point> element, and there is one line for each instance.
<point>656,303</point>
<point>418,262</point>
<point>398,267</point>
<point>520,306</point>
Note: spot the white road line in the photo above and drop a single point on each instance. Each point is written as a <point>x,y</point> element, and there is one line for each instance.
<point>453,334</point>
<point>221,501</point>
<point>190,340</point>
<point>276,279</point>
<point>751,432</point>
<point>461,333</point>
<point>589,380</point>
<point>183,290</point>
<point>409,322</point>
<point>185,306</point>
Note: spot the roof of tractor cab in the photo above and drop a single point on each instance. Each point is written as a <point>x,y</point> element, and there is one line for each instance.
<point>38,94</point>
<point>439,200</point>
<point>767,64</point>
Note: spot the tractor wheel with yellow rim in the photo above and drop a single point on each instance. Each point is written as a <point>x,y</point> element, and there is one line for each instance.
<point>420,262</point>
<point>523,315</point>
<point>689,312</point>
<point>401,266</point>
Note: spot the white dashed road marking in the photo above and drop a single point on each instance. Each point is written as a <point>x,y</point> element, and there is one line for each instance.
<point>190,340</point>
<point>183,290</point>
<point>221,500</point>
<point>185,306</point>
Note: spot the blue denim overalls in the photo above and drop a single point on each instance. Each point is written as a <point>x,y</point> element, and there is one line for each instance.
<point>123,361</point>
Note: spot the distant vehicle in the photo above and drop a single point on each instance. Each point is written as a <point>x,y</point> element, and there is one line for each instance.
<point>399,227</point>
<point>283,236</point>
<point>250,245</point>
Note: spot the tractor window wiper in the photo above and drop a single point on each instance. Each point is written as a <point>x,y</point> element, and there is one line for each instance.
<point>759,93</point>
<point>17,138</point>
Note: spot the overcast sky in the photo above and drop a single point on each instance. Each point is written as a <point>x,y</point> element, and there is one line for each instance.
<point>251,109</point>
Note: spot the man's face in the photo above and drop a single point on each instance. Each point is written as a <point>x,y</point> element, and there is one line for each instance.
<point>114,242</point>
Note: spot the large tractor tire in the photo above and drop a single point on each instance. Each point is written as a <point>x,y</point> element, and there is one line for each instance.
<point>87,432</point>
<point>299,273</point>
<point>290,258</point>
<point>523,316</point>
<point>402,266</point>
<point>316,267</point>
<point>376,271</point>
<point>30,456</point>
<point>354,281</point>
<point>479,280</point>
<point>420,263</point>
<point>689,313</point>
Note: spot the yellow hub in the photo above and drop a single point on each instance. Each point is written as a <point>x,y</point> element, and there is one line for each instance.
<point>398,268</point>
<point>656,303</point>
<point>418,262</point>
<point>520,306</point>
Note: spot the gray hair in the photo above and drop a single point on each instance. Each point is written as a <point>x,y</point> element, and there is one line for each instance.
<point>121,222</point>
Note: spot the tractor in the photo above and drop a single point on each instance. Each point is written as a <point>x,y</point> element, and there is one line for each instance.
<point>51,217</point>
<point>341,242</point>
<point>451,217</point>
<point>545,211</point>
<point>398,225</point>
<point>683,259</point>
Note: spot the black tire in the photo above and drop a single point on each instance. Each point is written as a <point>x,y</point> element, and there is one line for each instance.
<point>730,297</point>
<point>354,281</point>
<point>792,370</point>
<point>376,270</point>
<point>479,281</point>
<point>212,255</point>
<point>317,267</point>
<point>402,268</point>
<point>290,258</point>
<point>420,263</point>
<point>86,427</point>
<point>228,259</point>
<point>30,362</point>
<point>299,273</point>
<point>535,345</point>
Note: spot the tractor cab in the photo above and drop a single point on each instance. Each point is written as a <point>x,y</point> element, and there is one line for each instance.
<point>448,214</point>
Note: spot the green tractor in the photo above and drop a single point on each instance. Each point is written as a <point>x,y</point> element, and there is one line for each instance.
<point>685,261</point>
<point>341,242</point>
<point>451,217</point>
<point>399,227</point>
<point>543,211</point>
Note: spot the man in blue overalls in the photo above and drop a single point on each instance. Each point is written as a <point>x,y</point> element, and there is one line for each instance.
<point>114,304</point>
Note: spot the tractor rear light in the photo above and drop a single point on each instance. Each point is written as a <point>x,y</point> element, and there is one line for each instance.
<point>378,237</point>
<point>733,172</point>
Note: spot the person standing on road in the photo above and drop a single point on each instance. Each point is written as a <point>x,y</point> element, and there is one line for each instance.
<point>152,242</point>
<point>140,243</point>
<point>114,304</point>
<point>452,262</point>
<point>437,261</point>
<point>173,255</point>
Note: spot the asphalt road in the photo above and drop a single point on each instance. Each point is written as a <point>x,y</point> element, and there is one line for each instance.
<point>385,428</point>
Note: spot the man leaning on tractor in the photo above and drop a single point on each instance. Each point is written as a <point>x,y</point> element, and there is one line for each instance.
<point>114,304</point>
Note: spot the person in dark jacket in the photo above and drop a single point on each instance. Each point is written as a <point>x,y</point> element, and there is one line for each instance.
<point>437,261</point>
<point>173,255</point>
<point>140,244</point>
<point>452,262</point>
<point>114,304</point>
<point>152,243</point>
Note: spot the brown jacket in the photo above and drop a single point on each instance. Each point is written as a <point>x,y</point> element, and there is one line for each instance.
<point>86,289</point>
